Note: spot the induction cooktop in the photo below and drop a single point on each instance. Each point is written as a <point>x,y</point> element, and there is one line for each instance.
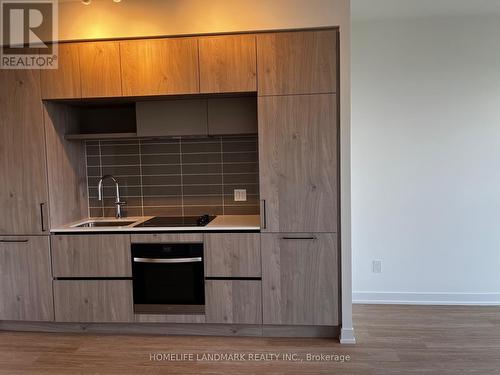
<point>177,221</point>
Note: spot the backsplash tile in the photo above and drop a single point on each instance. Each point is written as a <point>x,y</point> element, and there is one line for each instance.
<point>171,177</point>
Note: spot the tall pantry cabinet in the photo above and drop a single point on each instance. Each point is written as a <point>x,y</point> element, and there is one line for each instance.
<point>24,250</point>
<point>298,147</point>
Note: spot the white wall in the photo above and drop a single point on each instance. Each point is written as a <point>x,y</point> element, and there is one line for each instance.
<point>135,18</point>
<point>426,159</point>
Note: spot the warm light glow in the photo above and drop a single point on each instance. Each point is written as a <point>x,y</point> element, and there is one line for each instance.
<point>86,2</point>
<point>117,1</point>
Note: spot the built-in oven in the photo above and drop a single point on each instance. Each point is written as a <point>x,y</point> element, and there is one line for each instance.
<point>168,278</point>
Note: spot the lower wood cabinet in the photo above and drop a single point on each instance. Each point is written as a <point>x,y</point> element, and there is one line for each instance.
<point>91,255</point>
<point>93,301</point>
<point>300,279</point>
<point>232,255</point>
<point>233,301</point>
<point>25,279</point>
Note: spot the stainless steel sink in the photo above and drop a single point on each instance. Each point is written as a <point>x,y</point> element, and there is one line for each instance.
<point>103,223</point>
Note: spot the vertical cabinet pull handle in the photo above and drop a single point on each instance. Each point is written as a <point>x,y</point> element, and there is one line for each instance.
<point>263,213</point>
<point>41,217</point>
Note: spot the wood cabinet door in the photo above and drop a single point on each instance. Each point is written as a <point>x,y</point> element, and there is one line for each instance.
<point>23,174</point>
<point>100,69</point>
<point>302,62</point>
<point>232,255</point>
<point>228,64</point>
<point>233,301</point>
<point>63,82</point>
<point>91,256</point>
<point>25,279</point>
<point>93,301</point>
<point>298,163</point>
<point>160,66</point>
<point>300,279</point>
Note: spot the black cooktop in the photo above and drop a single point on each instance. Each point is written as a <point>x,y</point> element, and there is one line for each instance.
<point>177,221</point>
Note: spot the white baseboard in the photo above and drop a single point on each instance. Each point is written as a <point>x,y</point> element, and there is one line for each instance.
<point>347,336</point>
<point>410,298</point>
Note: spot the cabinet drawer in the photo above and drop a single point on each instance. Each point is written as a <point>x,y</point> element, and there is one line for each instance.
<point>300,279</point>
<point>25,279</point>
<point>91,256</point>
<point>232,255</point>
<point>83,301</point>
<point>233,301</point>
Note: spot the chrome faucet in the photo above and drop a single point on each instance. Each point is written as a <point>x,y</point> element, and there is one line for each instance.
<point>118,202</point>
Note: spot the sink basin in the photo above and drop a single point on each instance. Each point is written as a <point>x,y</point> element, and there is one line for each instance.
<point>102,223</point>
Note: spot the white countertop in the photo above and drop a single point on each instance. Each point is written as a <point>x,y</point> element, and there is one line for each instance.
<point>220,223</point>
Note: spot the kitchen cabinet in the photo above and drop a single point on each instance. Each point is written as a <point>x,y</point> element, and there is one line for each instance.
<point>233,301</point>
<point>100,69</point>
<point>25,279</point>
<point>160,66</point>
<point>184,117</point>
<point>63,82</point>
<point>232,116</point>
<point>97,255</point>
<point>23,174</point>
<point>298,167</point>
<point>232,255</point>
<point>228,63</point>
<point>303,62</point>
<point>93,301</point>
<point>300,279</point>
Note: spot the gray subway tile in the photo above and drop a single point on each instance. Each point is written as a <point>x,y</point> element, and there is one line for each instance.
<point>155,164</point>
<point>160,159</point>
<point>162,211</point>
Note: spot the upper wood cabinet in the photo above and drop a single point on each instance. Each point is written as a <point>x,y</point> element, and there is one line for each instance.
<point>63,82</point>
<point>160,66</point>
<point>302,62</point>
<point>227,64</point>
<point>23,174</point>
<point>25,279</point>
<point>298,163</point>
<point>100,69</point>
<point>300,279</point>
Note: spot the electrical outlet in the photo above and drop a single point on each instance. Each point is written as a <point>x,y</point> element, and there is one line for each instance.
<point>240,195</point>
<point>377,266</point>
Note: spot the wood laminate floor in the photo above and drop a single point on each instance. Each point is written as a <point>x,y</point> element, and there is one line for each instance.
<point>391,340</point>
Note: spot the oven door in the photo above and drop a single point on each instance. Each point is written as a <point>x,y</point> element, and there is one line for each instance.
<point>168,278</point>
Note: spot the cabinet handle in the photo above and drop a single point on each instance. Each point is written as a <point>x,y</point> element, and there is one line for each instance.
<point>41,217</point>
<point>14,241</point>
<point>299,238</point>
<point>169,260</point>
<point>263,213</point>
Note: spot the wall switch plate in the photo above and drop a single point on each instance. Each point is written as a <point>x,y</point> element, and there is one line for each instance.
<point>240,195</point>
<point>377,266</point>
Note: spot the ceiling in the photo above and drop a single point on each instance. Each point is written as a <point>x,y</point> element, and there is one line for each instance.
<point>404,9</point>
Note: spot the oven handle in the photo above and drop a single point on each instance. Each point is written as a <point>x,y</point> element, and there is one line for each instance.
<point>168,260</point>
